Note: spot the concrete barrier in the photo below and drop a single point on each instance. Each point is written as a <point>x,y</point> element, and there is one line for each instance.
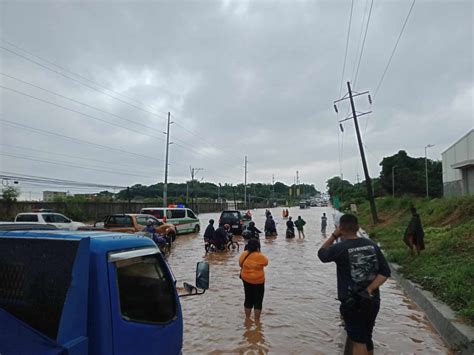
<point>459,336</point>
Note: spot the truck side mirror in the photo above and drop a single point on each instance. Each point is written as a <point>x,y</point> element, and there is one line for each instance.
<point>202,275</point>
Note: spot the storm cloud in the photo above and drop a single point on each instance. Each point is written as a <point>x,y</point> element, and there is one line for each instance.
<point>239,78</point>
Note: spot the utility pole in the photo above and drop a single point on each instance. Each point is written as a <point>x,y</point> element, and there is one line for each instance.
<point>245,183</point>
<point>273,188</point>
<point>193,172</point>
<point>368,181</point>
<point>165,186</point>
<point>426,169</point>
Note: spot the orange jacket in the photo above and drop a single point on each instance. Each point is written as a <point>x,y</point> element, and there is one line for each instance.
<point>252,269</point>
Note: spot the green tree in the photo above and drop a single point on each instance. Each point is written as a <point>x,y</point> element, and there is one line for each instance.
<point>10,194</point>
<point>410,175</point>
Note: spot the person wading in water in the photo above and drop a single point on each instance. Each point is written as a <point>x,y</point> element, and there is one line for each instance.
<point>252,262</point>
<point>361,270</point>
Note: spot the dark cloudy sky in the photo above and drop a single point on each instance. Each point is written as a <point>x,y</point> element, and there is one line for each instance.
<point>240,78</point>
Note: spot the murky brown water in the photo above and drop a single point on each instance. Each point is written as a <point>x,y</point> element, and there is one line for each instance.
<point>300,310</point>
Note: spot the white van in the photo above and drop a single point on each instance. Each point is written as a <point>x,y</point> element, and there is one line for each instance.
<point>183,219</point>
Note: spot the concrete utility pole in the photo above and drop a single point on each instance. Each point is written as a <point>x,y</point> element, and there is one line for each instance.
<point>273,187</point>
<point>245,183</point>
<point>393,180</point>
<point>193,172</point>
<point>165,186</point>
<point>426,169</point>
<point>368,181</point>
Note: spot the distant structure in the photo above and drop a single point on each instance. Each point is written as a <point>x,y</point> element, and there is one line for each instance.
<point>458,167</point>
<point>50,196</point>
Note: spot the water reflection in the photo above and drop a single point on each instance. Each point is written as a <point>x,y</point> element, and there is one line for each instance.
<point>300,312</point>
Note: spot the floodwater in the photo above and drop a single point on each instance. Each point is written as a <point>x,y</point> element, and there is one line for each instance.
<point>300,310</point>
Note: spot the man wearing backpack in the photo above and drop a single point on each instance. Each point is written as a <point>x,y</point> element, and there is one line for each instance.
<point>299,223</point>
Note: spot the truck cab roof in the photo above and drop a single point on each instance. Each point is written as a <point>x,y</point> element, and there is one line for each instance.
<point>99,241</point>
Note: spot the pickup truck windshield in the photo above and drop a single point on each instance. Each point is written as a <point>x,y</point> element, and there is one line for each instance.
<point>146,290</point>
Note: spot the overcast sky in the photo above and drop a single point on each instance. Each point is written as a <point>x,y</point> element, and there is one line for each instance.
<point>239,78</point>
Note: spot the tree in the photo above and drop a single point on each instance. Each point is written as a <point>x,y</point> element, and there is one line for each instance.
<point>410,175</point>
<point>10,194</point>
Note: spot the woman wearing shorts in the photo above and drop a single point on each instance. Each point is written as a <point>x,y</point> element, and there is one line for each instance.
<point>252,262</point>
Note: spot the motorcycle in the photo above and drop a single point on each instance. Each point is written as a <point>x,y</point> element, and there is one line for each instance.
<point>290,233</point>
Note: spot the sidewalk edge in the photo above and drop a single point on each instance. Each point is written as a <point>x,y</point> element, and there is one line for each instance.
<point>459,336</point>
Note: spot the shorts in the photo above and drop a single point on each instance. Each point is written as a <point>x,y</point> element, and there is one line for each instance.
<point>253,295</point>
<point>359,323</point>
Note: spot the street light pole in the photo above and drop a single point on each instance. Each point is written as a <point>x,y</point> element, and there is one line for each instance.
<point>393,180</point>
<point>426,169</point>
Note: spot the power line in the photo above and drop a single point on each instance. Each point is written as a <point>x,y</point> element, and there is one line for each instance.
<point>75,80</point>
<point>67,155</point>
<point>363,42</point>
<point>79,102</point>
<point>35,178</point>
<point>76,140</point>
<point>76,74</point>
<point>394,48</point>
<point>79,112</point>
<point>66,164</point>
<point>347,46</point>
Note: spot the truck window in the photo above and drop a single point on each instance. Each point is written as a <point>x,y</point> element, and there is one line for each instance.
<point>27,218</point>
<point>178,213</point>
<point>35,276</point>
<point>191,214</point>
<point>124,221</point>
<point>142,220</point>
<point>57,218</point>
<point>146,290</point>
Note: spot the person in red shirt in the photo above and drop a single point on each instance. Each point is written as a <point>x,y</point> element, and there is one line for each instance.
<point>252,262</point>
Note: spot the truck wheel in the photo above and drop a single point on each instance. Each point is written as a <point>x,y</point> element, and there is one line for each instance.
<point>196,229</point>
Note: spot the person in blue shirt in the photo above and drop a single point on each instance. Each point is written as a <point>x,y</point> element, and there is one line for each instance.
<point>150,227</point>
<point>361,270</point>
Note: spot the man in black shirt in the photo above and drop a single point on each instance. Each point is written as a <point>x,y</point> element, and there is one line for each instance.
<point>361,270</point>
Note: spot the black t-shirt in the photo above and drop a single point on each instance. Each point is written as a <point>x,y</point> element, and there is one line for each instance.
<point>209,233</point>
<point>358,262</point>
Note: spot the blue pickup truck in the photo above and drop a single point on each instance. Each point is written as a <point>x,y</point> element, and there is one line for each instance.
<point>65,292</point>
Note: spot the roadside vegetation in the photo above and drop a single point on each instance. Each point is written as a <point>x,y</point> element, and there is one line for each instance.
<point>446,267</point>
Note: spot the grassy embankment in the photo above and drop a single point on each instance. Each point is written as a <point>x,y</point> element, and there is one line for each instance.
<point>446,267</point>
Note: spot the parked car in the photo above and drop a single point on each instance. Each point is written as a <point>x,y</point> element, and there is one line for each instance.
<point>183,219</point>
<point>90,294</point>
<point>233,218</point>
<point>131,223</point>
<point>56,219</point>
<point>18,226</point>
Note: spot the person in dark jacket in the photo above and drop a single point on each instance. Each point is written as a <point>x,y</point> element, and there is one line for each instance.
<point>254,230</point>
<point>414,234</point>
<point>290,228</point>
<point>220,236</point>
<point>209,233</point>
<point>270,226</point>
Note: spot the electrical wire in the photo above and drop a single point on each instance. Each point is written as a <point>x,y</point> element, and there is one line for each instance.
<point>394,48</point>
<point>66,164</point>
<point>68,155</point>
<point>76,140</point>
<point>363,43</point>
<point>347,46</point>
<point>86,85</point>
<point>81,113</point>
<point>80,102</point>
<point>78,75</point>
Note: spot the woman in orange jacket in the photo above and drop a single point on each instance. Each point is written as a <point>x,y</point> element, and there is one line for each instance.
<point>252,262</point>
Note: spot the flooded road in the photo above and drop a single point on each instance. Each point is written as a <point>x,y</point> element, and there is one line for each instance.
<point>300,310</point>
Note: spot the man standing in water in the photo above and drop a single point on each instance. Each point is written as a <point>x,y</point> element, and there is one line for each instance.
<point>324,223</point>
<point>299,223</point>
<point>361,270</point>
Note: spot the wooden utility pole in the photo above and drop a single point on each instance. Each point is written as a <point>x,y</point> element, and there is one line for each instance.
<point>368,181</point>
